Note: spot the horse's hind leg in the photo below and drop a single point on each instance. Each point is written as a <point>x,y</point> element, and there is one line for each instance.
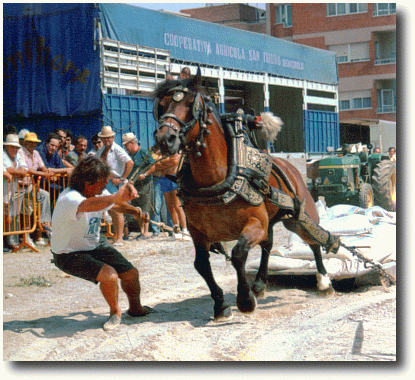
<point>323,280</point>
<point>221,309</point>
<point>260,283</point>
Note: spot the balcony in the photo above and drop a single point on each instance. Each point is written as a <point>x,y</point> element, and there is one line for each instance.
<point>385,61</point>
<point>386,109</point>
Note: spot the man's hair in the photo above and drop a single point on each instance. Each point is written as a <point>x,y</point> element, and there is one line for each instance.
<point>185,70</point>
<point>68,133</point>
<point>91,169</point>
<point>95,137</point>
<point>392,147</point>
<point>80,137</point>
<point>52,135</point>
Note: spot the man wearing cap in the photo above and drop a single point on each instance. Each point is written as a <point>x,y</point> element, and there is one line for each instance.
<point>13,164</point>
<point>142,160</point>
<point>37,167</point>
<point>120,164</point>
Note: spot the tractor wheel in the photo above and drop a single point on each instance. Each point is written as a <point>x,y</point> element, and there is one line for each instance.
<point>384,185</point>
<point>366,199</point>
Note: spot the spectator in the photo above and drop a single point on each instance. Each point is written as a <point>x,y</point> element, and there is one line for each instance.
<point>168,166</point>
<point>62,151</point>
<point>96,144</point>
<point>392,153</point>
<point>79,250</point>
<point>159,201</point>
<point>22,135</point>
<point>67,144</point>
<point>184,73</point>
<point>120,164</point>
<point>74,156</point>
<point>376,150</point>
<point>36,167</point>
<point>10,129</point>
<point>142,158</point>
<point>48,153</point>
<point>13,165</point>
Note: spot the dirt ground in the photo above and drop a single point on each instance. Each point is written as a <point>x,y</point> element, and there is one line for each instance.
<point>49,316</point>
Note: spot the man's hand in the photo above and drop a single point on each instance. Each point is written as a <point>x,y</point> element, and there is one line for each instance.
<point>126,193</point>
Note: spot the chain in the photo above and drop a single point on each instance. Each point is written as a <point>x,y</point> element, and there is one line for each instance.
<point>368,263</point>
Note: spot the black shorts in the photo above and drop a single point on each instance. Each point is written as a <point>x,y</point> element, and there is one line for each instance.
<point>88,264</point>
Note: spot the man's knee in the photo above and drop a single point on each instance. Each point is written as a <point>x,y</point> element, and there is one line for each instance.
<point>130,275</point>
<point>107,274</point>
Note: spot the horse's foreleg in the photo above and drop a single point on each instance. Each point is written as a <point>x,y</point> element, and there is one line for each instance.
<point>221,309</point>
<point>251,235</point>
<point>260,283</point>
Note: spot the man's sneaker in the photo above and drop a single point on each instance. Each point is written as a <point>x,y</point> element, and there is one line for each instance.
<point>113,322</point>
<point>171,237</point>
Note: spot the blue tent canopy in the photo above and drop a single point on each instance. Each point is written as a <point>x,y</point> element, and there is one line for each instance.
<point>217,45</point>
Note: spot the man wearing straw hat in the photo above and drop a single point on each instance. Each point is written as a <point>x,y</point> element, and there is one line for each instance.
<point>37,167</point>
<point>14,165</point>
<point>120,164</point>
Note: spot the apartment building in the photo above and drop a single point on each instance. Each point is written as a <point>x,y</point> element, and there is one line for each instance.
<point>363,36</point>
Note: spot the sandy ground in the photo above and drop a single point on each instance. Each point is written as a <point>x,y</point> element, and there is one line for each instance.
<point>49,316</point>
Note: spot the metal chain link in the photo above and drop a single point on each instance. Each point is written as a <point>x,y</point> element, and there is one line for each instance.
<point>368,263</point>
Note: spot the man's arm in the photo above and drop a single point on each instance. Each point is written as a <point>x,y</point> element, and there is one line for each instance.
<point>126,193</point>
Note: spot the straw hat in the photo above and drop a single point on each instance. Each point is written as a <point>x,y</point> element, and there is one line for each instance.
<point>32,137</point>
<point>106,132</point>
<point>12,140</point>
<point>127,137</point>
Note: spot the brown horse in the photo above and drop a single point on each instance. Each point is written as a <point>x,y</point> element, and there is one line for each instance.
<point>189,122</point>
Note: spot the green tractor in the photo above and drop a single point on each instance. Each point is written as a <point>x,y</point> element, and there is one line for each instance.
<point>360,179</point>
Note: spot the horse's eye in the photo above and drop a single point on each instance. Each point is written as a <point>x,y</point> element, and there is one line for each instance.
<point>178,96</point>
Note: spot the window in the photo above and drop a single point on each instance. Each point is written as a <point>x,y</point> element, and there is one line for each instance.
<point>386,101</point>
<point>384,9</point>
<point>283,15</point>
<point>351,52</point>
<point>344,105</point>
<point>362,103</point>
<point>338,9</point>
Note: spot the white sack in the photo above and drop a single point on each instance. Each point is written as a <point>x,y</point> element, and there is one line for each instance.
<point>347,225</point>
<point>280,263</point>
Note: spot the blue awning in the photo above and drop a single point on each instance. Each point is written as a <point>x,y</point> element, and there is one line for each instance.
<point>217,45</point>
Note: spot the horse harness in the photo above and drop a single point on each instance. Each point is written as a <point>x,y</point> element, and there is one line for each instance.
<point>249,169</point>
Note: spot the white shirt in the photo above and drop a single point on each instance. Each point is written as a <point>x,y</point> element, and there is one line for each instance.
<point>73,230</point>
<point>116,159</point>
<point>9,163</point>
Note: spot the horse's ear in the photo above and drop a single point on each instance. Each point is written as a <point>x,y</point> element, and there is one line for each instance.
<point>198,78</point>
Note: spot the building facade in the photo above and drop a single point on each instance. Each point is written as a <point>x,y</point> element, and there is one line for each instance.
<point>363,36</point>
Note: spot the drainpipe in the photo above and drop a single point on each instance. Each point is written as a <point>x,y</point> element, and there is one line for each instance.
<point>221,86</point>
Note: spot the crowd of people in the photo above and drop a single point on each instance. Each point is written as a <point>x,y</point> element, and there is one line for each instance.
<point>25,154</point>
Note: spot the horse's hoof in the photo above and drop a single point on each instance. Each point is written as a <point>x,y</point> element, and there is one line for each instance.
<point>246,304</point>
<point>324,285</point>
<point>223,315</point>
<point>329,292</point>
<point>258,288</point>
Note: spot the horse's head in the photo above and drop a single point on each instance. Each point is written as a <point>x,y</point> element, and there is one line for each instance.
<point>178,108</point>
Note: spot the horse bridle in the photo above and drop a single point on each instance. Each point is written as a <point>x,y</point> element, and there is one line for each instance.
<point>199,112</point>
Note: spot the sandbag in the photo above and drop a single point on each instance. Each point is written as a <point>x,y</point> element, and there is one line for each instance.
<point>280,263</point>
<point>339,211</point>
<point>299,250</point>
<point>347,225</point>
<point>377,214</point>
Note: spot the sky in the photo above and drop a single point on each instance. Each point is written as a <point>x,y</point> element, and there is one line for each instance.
<point>176,7</point>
